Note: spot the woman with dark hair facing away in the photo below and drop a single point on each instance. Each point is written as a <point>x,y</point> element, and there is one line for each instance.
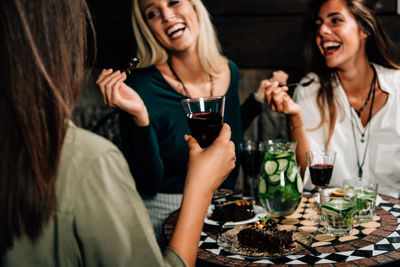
<point>353,106</point>
<point>67,197</point>
<point>180,57</point>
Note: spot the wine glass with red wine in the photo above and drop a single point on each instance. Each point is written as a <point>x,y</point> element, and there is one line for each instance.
<point>205,116</point>
<point>251,157</point>
<point>320,165</point>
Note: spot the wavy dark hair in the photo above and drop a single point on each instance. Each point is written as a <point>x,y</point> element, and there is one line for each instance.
<point>378,48</point>
<point>43,63</point>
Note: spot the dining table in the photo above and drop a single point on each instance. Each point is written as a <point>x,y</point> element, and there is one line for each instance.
<point>373,243</point>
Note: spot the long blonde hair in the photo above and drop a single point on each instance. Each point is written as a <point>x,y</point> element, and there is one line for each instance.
<point>150,52</point>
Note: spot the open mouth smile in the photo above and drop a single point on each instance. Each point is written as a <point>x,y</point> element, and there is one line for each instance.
<point>176,30</point>
<point>331,47</point>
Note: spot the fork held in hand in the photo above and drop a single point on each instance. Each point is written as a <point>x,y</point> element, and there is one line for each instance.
<point>133,62</point>
<point>302,84</point>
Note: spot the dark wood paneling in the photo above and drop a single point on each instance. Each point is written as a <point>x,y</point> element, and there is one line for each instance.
<point>269,34</point>
<point>254,33</point>
<point>271,42</point>
<point>271,7</point>
<point>255,7</point>
<point>262,42</point>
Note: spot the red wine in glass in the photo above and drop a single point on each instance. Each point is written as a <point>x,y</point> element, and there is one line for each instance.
<point>251,162</point>
<point>251,157</point>
<point>321,174</point>
<point>205,126</point>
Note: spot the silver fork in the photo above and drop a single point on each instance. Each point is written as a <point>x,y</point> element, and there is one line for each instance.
<point>302,84</point>
<point>133,62</point>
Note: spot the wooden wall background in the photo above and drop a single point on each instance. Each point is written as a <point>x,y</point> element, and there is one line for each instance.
<point>254,33</point>
<point>268,34</point>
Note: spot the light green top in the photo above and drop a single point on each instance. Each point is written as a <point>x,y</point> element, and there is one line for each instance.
<point>100,219</point>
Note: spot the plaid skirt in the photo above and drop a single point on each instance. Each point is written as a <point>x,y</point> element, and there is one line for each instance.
<point>159,208</point>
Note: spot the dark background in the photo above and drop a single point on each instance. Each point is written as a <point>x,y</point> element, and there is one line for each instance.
<point>260,34</point>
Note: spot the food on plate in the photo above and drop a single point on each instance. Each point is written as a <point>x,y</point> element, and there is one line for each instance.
<point>264,235</point>
<point>232,211</point>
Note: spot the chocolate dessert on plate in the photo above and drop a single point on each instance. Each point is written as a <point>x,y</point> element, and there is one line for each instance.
<point>265,236</point>
<point>232,211</point>
<point>262,240</point>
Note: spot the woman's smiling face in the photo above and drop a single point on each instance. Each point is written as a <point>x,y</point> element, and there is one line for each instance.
<point>174,23</point>
<point>338,36</point>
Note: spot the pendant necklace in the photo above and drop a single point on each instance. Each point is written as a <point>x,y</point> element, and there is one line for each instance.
<point>358,111</point>
<point>183,85</point>
<point>367,128</point>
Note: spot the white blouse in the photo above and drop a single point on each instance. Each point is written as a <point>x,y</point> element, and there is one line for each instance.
<point>381,140</point>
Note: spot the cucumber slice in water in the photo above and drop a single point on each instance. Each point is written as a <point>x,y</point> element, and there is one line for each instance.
<point>274,179</point>
<point>271,166</point>
<point>282,155</point>
<point>299,183</point>
<point>262,187</point>
<point>292,172</point>
<point>283,164</point>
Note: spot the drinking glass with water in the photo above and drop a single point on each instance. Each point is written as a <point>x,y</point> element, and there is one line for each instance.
<point>337,213</point>
<point>365,191</point>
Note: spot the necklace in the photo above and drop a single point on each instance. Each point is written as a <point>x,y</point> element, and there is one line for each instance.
<point>183,85</point>
<point>358,111</point>
<point>361,164</point>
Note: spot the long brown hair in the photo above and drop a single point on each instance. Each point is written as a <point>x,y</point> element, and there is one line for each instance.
<point>378,47</point>
<point>42,57</point>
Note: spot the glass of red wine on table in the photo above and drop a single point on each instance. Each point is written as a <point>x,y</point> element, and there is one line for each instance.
<point>251,157</point>
<point>320,164</point>
<point>205,116</point>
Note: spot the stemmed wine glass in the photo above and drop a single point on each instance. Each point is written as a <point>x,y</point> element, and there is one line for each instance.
<point>251,156</point>
<point>320,164</point>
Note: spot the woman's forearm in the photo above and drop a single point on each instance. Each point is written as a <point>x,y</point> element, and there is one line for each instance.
<point>186,236</point>
<point>299,134</point>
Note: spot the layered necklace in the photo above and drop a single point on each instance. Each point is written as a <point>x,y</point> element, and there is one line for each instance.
<point>372,90</point>
<point>183,85</point>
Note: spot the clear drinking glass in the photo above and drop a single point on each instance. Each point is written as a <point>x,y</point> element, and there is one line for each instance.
<point>251,156</point>
<point>320,164</point>
<point>337,213</point>
<point>366,192</point>
<point>205,116</point>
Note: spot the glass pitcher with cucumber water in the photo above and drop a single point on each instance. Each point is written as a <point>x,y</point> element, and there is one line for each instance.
<point>280,186</point>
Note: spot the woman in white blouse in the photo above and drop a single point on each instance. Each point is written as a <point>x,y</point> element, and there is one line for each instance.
<point>353,105</point>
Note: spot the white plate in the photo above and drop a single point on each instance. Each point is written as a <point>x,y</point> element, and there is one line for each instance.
<point>258,210</point>
<point>229,242</point>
